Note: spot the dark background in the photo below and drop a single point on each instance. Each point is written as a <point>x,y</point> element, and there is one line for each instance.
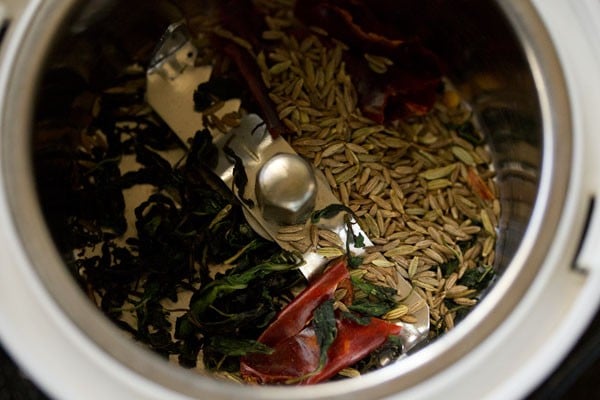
<point>577,377</point>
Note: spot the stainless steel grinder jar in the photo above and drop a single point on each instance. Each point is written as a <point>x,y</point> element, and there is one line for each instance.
<point>541,123</point>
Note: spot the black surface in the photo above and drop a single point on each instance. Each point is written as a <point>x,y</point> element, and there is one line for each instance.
<point>578,377</point>
<point>13,384</point>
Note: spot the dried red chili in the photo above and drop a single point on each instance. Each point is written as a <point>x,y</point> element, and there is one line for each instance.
<point>405,90</point>
<point>296,353</point>
<point>293,318</point>
<point>375,26</point>
<point>409,86</point>
<point>353,342</point>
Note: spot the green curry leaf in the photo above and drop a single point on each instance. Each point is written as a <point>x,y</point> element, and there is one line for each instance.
<point>325,329</point>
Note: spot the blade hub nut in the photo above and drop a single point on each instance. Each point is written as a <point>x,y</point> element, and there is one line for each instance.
<point>286,189</point>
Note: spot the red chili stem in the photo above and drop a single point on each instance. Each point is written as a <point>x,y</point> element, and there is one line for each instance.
<point>251,73</point>
<point>243,19</point>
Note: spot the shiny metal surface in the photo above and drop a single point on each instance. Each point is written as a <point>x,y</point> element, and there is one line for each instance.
<point>286,189</point>
<point>174,53</point>
<point>498,54</point>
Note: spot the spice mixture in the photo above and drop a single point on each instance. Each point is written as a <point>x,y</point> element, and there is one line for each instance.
<point>396,143</point>
<point>423,186</point>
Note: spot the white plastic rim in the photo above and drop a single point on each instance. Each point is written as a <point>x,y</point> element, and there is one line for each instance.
<point>539,333</point>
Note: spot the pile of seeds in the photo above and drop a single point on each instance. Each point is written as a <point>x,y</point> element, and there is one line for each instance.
<point>423,189</point>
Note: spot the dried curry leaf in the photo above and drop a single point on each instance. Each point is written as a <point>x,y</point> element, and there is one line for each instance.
<point>329,212</point>
<point>325,326</point>
<point>240,178</point>
<point>237,347</point>
<point>477,278</point>
<point>236,281</point>
<point>202,152</point>
<point>379,300</point>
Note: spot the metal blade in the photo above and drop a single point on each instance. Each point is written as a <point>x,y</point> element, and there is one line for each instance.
<point>171,81</point>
